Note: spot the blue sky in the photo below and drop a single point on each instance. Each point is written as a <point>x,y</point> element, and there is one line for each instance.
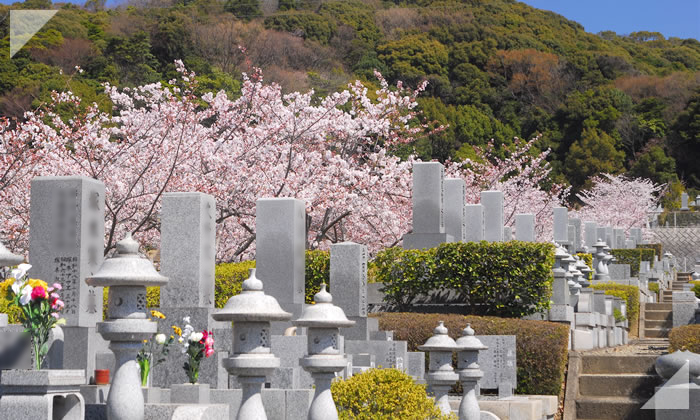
<point>680,18</point>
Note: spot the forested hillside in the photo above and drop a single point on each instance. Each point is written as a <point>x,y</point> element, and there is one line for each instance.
<point>497,69</point>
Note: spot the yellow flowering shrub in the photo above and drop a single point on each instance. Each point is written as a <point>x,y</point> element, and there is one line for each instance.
<point>384,394</point>
<point>13,312</point>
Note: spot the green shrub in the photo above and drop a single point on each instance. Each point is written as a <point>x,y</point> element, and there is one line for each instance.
<point>631,295</point>
<point>696,287</point>
<point>313,26</point>
<point>686,337</point>
<point>502,278</point>
<point>633,257</point>
<point>658,250</point>
<point>654,287</point>
<point>588,259</point>
<point>152,298</point>
<point>384,394</point>
<point>318,270</point>
<point>541,347</point>
<point>228,278</point>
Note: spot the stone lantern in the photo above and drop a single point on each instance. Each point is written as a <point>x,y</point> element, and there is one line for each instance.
<point>441,375</point>
<point>324,359</point>
<point>585,270</point>
<point>253,361</point>
<point>468,348</point>
<point>127,274</point>
<point>574,287</point>
<point>601,269</point>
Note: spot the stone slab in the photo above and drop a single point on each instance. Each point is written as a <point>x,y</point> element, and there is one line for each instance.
<point>348,277</point>
<point>428,197</point>
<point>561,223</point>
<point>525,227</point>
<point>475,223</point>
<point>493,215</point>
<point>455,210</point>
<point>425,240</point>
<point>498,362</point>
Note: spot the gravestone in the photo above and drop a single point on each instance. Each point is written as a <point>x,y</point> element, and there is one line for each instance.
<point>280,243</point>
<point>609,237</point>
<point>571,234</point>
<point>493,215</point>
<point>590,234</point>
<point>619,235</point>
<point>577,242</point>
<point>66,245</point>
<point>455,211</point>
<point>507,233</point>
<point>475,223</point>
<point>619,271</point>
<point>498,363</point>
<point>428,207</point>
<point>630,244</point>
<point>601,234</point>
<point>187,258</point>
<point>561,223</point>
<point>525,227</point>
<point>636,234</point>
<point>348,281</point>
<point>684,202</point>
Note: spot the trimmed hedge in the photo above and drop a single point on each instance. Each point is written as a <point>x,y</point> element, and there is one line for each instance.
<point>631,295</point>
<point>384,394</point>
<point>228,278</point>
<point>502,278</point>
<point>658,249</point>
<point>633,257</point>
<point>686,337</point>
<point>541,347</point>
<point>696,287</point>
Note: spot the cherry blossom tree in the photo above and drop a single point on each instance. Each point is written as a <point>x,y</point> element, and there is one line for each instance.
<point>617,200</point>
<point>521,177</point>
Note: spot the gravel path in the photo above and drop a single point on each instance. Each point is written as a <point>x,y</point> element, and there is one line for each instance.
<point>638,346</point>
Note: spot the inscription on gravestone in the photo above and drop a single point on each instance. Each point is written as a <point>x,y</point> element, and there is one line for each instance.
<point>498,362</point>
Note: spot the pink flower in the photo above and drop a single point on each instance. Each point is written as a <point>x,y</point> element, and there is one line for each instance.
<point>55,296</point>
<point>208,351</point>
<point>57,286</point>
<point>57,304</point>
<point>54,314</point>
<point>38,293</point>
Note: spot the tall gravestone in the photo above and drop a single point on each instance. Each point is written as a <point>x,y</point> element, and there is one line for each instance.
<point>493,215</point>
<point>525,227</point>
<point>499,364</point>
<point>609,237</point>
<point>619,235</point>
<point>280,242</point>
<point>348,280</point>
<point>475,223</point>
<point>590,234</point>
<point>684,202</point>
<point>601,233</point>
<point>576,240</point>
<point>455,210</point>
<point>636,234</point>
<point>561,223</point>
<point>187,258</point>
<point>66,245</point>
<point>428,207</point>
<point>507,233</point>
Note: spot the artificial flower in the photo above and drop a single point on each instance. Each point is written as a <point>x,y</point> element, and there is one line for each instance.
<point>160,338</point>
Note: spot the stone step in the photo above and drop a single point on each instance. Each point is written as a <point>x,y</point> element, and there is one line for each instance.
<point>658,323</point>
<point>656,332</point>
<point>658,306</point>
<point>622,385</point>
<point>618,364</point>
<point>618,408</point>
<point>658,314</point>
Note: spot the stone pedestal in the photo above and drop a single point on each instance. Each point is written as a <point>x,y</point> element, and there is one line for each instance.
<point>42,394</point>
<point>684,306</point>
<point>189,394</point>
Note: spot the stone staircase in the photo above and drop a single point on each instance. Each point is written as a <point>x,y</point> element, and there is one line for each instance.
<point>658,319</point>
<point>676,286</point>
<point>616,386</point>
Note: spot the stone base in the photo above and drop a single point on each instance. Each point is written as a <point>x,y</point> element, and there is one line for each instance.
<point>362,330</point>
<point>673,401</point>
<point>584,339</point>
<point>280,404</point>
<point>189,394</point>
<point>94,394</point>
<point>42,394</point>
<point>151,395</point>
<point>520,407</point>
<point>425,240</point>
<point>186,412</point>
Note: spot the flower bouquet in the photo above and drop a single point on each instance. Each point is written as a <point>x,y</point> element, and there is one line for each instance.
<point>40,306</point>
<point>158,345</point>
<point>196,345</point>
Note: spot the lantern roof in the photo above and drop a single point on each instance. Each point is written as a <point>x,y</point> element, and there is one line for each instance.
<point>127,267</point>
<point>252,304</point>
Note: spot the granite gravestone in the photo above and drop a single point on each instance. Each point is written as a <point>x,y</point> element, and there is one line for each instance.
<point>428,207</point>
<point>525,227</point>
<point>187,258</point>
<point>619,235</point>
<point>66,245</point>
<point>561,223</point>
<point>348,281</point>
<point>601,233</point>
<point>590,234</point>
<point>636,234</point>
<point>493,215</point>
<point>684,202</point>
<point>576,223</point>
<point>455,211</point>
<point>498,363</point>
<point>280,243</point>
<point>507,233</point>
<point>475,223</point>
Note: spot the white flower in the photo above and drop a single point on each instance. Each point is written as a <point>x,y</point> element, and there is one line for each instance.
<point>160,338</point>
<point>186,320</point>
<point>17,287</point>
<point>26,295</point>
<point>180,340</point>
<point>19,272</point>
<point>196,337</point>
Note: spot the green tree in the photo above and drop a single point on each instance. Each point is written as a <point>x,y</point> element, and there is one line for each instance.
<point>414,57</point>
<point>244,9</point>
<point>592,154</point>
<point>685,140</point>
<point>656,165</point>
